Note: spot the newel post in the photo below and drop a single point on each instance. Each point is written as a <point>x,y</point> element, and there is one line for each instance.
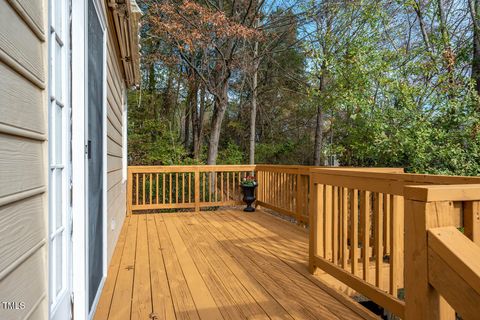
<point>422,301</point>
<point>129,190</point>
<point>197,189</point>
<point>259,190</point>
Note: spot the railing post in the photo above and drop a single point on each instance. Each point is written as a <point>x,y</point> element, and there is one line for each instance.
<point>299,196</point>
<point>421,299</point>
<point>312,222</point>
<point>471,220</point>
<point>129,191</point>
<point>316,224</point>
<point>258,190</point>
<point>397,244</point>
<point>197,189</point>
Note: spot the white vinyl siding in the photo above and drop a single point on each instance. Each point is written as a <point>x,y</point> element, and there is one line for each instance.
<point>116,186</point>
<point>23,158</point>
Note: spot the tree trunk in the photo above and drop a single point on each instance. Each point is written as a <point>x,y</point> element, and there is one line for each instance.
<point>190,112</point>
<point>194,114</point>
<point>186,137</point>
<point>221,101</point>
<point>253,112</point>
<point>317,154</point>
<point>198,141</point>
<point>474,8</point>
<point>421,22</point>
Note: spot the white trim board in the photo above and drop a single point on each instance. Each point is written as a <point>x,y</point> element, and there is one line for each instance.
<point>79,23</point>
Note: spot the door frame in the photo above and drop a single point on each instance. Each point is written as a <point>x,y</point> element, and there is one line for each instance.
<point>79,71</point>
<point>65,73</point>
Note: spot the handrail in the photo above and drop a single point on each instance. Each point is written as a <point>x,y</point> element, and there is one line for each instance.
<point>284,188</point>
<point>442,266</point>
<point>454,269</point>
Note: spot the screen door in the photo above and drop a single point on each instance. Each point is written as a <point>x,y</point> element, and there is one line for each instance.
<point>95,152</point>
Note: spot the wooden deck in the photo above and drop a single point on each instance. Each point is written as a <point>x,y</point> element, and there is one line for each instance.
<point>216,265</point>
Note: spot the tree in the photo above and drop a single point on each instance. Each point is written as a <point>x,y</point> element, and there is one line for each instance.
<point>214,32</point>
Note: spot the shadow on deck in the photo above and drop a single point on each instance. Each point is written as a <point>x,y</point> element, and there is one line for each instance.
<point>217,265</point>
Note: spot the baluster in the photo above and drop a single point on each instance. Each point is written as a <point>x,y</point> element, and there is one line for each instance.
<point>182,189</point>
<point>228,186</point>
<point>163,188</point>
<point>277,188</point>
<point>233,184</point>
<point>386,224</point>
<point>143,190</point>
<point>189,187</point>
<point>136,188</point>
<point>204,187</point>
<point>176,187</point>
<point>354,230</point>
<point>365,222</point>
<point>327,224</point>
<point>150,188</point>
<point>221,187</point>
<point>216,186</point>
<point>378,239</point>
<point>335,225</point>
<point>344,198</point>
<point>156,188</point>
<point>170,200</point>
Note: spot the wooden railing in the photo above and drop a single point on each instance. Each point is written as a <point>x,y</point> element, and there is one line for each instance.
<point>389,236</point>
<point>184,187</point>
<point>357,230</point>
<point>284,189</point>
<point>442,265</point>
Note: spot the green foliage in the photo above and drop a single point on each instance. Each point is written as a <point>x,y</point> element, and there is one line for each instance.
<point>231,154</point>
<point>391,107</point>
<point>150,138</point>
<point>388,100</point>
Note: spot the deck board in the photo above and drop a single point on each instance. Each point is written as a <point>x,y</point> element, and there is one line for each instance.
<point>216,265</point>
<point>183,303</point>
<point>142,293</point>
<point>161,297</point>
<point>234,300</point>
<point>122,293</point>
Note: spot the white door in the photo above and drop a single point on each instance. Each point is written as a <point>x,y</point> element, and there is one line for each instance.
<point>59,135</point>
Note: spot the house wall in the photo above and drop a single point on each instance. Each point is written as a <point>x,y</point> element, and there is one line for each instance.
<point>23,158</point>
<point>116,182</point>
<point>24,155</point>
